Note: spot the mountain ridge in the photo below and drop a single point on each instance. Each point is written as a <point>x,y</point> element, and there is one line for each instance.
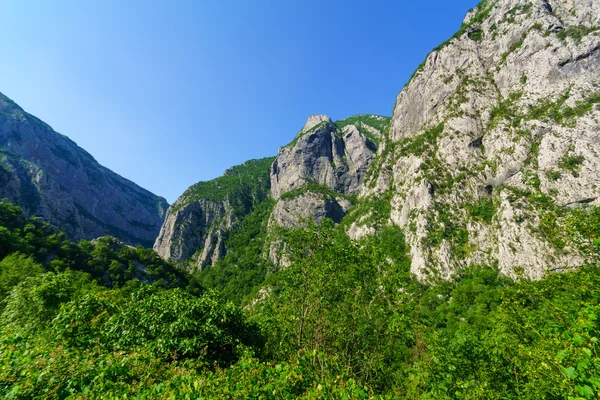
<point>490,145</point>
<point>50,176</point>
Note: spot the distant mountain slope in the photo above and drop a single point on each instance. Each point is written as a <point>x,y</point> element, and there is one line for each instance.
<point>48,175</point>
<point>198,223</point>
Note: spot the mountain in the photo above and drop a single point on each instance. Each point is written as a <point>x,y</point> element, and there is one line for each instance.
<point>317,175</point>
<point>490,156</point>
<point>494,145</point>
<point>197,224</point>
<point>49,176</point>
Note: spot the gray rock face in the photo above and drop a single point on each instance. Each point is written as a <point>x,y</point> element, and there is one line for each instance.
<point>324,155</point>
<point>191,228</point>
<point>198,223</point>
<point>315,120</point>
<point>51,177</point>
<point>288,211</point>
<point>497,113</point>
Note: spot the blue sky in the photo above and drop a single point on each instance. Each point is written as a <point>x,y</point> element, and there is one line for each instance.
<point>168,93</point>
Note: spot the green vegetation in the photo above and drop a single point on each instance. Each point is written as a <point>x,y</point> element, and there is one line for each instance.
<point>422,143</point>
<point>483,210</point>
<point>244,186</point>
<point>345,319</point>
<point>576,33</point>
<point>378,122</point>
<point>571,163</point>
<point>561,114</point>
<point>374,212</point>
<point>106,259</point>
<point>517,10</point>
<point>241,273</point>
<point>476,35</point>
<point>553,175</point>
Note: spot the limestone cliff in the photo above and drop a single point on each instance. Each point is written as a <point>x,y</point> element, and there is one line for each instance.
<point>49,176</point>
<point>316,174</point>
<point>493,143</point>
<point>495,136</point>
<point>198,223</point>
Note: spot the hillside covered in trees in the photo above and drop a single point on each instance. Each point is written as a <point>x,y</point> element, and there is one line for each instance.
<point>344,320</point>
<point>450,251</point>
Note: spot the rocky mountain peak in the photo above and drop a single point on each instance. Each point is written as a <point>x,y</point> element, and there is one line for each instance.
<point>315,120</point>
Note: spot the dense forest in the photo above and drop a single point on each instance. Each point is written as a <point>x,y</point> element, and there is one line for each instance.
<point>344,320</point>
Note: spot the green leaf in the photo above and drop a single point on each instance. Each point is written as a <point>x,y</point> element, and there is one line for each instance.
<point>578,340</point>
<point>585,391</point>
<point>570,372</point>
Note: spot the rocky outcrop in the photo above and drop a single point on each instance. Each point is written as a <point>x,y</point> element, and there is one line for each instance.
<point>191,228</point>
<point>325,155</point>
<point>313,176</point>
<point>197,224</point>
<point>290,210</point>
<point>49,176</point>
<point>496,131</point>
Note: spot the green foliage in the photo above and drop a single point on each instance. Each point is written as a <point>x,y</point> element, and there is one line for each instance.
<point>108,260</point>
<point>476,35</point>
<point>168,324</point>
<point>553,175</point>
<point>312,187</point>
<point>332,299</point>
<point>483,210</point>
<point>443,226</point>
<point>561,114</point>
<point>422,143</point>
<point>576,33</point>
<point>243,185</point>
<point>571,163</point>
<point>378,122</point>
<point>105,343</point>
<point>243,270</point>
<point>344,320</point>
<point>34,302</point>
<point>507,110</point>
<point>371,212</point>
<point>14,269</point>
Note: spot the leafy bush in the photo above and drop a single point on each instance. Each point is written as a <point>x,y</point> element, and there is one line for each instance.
<point>106,259</point>
<point>483,210</point>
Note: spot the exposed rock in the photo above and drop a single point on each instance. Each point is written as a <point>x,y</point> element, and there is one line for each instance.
<point>323,155</point>
<point>493,114</point>
<point>49,176</point>
<point>198,223</point>
<point>190,228</point>
<point>288,211</point>
<point>315,120</point>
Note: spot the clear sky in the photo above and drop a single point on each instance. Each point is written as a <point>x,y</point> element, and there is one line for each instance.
<point>168,93</point>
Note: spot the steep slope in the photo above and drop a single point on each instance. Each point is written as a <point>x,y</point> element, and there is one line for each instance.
<point>316,176</point>
<point>48,175</point>
<point>494,142</point>
<point>320,171</point>
<point>198,223</point>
